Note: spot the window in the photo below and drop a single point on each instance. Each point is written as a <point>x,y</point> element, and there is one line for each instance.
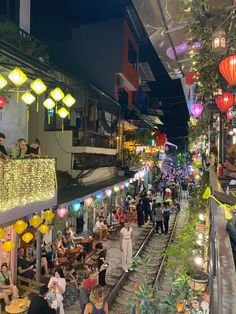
<point>10,9</point>
<point>132,56</point>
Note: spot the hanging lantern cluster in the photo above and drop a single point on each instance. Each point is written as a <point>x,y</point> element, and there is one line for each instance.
<point>18,78</point>
<point>219,41</point>
<point>161,139</point>
<point>224,101</point>
<point>197,110</point>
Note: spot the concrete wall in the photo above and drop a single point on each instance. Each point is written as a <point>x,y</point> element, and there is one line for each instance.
<point>13,123</point>
<point>24,18</point>
<point>96,51</point>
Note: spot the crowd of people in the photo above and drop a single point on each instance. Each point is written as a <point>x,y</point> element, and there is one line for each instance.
<point>19,150</point>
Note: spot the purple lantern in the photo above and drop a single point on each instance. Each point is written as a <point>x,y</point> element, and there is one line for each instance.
<point>197,110</point>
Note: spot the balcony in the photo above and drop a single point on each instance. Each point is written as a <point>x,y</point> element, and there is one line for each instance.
<point>94,140</point>
<point>26,186</point>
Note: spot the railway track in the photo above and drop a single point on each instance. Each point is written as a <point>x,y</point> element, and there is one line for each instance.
<point>149,244</point>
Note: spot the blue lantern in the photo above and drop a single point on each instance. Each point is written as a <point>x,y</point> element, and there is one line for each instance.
<point>76,207</point>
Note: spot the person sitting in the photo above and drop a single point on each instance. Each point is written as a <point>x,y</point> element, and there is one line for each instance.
<point>67,239</point>
<point>31,257</point>
<point>97,303</point>
<point>18,150</point>
<point>57,286</point>
<point>24,267</point>
<point>120,216</point>
<point>58,244</point>
<point>71,292</point>
<point>6,285</point>
<point>34,149</point>
<point>40,304</point>
<point>3,152</point>
<point>100,228</point>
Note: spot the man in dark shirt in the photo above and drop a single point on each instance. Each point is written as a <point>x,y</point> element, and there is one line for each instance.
<point>3,152</point>
<point>39,305</point>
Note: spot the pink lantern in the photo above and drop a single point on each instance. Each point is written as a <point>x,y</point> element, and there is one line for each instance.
<point>229,115</point>
<point>122,186</point>
<point>61,212</point>
<point>166,148</point>
<point>197,110</point>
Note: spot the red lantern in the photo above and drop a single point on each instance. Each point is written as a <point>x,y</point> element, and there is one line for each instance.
<point>189,79</point>
<point>224,101</point>
<point>229,115</point>
<point>228,69</point>
<point>161,139</point>
<point>3,102</point>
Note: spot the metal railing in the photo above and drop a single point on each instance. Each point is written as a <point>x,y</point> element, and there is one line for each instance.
<point>222,284</point>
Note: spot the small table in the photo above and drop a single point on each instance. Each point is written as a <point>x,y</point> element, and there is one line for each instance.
<point>87,244</point>
<point>18,306</point>
<point>75,250</point>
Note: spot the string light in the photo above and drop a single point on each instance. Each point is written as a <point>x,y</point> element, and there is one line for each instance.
<point>34,181</point>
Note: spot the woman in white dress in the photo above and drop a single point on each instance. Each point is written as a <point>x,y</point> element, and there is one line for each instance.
<point>126,246</point>
<point>57,286</point>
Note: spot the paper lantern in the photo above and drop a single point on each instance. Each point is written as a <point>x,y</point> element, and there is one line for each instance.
<point>68,100</point>
<point>193,121</point>
<point>8,246</point>
<point>3,102</point>
<point>43,228</point>
<point>49,104</point>
<point>127,184</point>
<point>35,221</point>
<point>27,237</point>
<point>88,201</point>
<point>76,206</point>
<point>38,87</point>
<point>224,101</point>
<point>63,113</point>
<point>229,115</point>
<point>28,98</point>
<point>48,215</point>
<point>57,94</point>
<point>122,186</point>
<point>62,211</point>
<point>20,226</point>
<point>108,192</point>
<point>196,110</point>
<point>219,41</point>
<point>189,79</point>
<point>228,69</point>
<point>2,233</point>
<point>18,78</point>
<point>116,188</point>
<point>3,82</point>
<point>99,196</point>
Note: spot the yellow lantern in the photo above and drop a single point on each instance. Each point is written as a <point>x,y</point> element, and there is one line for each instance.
<point>28,98</point>
<point>18,78</point>
<point>8,246</point>
<point>3,82</point>
<point>35,221</point>
<point>68,100</point>
<point>48,215</point>
<point>2,233</point>
<point>57,94</point>
<point>63,113</point>
<point>38,87</point>
<point>20,226</point>
<point>27,237</point>
<point>43,228</point>
<point>49,104</point>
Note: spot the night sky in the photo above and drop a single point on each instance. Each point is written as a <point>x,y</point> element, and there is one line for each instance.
<point>56,19</point>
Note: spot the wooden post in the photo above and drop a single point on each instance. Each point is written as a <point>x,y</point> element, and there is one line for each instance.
<point>14,266</point>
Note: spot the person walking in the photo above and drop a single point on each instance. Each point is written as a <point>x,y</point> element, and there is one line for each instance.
<point>166,214</point>
<point>126,246</point>
<point>101,264</point>
<point>158,216</point>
